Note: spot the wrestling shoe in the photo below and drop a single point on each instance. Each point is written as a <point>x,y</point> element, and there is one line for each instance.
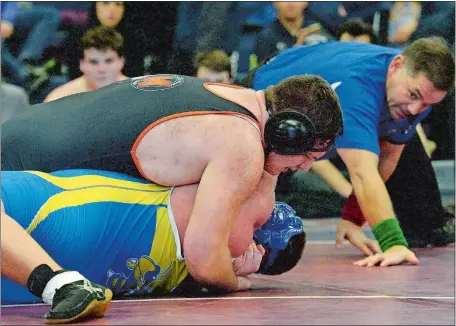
<point>443,236</point>
<point>77,300</point>
<point>439,237</point>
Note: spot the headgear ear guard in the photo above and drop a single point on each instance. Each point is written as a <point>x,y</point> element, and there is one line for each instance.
<point>281,236</point>
<point>290,132</point>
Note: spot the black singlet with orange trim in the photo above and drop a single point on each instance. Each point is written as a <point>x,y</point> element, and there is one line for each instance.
<point>96,130</point>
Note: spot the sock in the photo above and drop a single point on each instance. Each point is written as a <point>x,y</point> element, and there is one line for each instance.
<point>38,279</point>
<point>43,281</point>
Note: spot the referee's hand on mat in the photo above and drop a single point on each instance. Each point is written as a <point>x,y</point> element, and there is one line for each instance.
<point>355,235</point>
<point>393,256</point>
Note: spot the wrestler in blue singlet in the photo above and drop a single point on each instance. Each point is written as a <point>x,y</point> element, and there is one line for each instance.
<point>357,71</point>
<point>115,230</point>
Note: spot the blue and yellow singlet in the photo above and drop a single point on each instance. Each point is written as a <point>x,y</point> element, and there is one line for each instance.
<point>114,229</point>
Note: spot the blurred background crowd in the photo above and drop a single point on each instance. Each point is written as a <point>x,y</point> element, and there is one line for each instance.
<point>56,48</point>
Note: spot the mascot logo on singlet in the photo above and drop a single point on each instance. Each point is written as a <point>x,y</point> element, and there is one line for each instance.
<point>156,82</point>
<point>143,278</point>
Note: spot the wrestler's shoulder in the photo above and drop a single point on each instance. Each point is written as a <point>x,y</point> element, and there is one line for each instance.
<point>73,87</point>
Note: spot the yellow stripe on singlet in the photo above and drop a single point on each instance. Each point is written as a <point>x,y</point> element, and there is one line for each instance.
<point>84,181</point>
<point>163,252</point>
<point>97,193</point>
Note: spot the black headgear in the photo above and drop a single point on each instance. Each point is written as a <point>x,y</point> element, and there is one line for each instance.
<point>290,132</point>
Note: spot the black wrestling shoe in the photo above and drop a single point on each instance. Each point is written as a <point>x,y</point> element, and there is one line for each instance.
<point>440,237</point>
<point>78,299</point>
<point>443,236</point>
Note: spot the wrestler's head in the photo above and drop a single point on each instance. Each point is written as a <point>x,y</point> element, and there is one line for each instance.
<point>213,66</point>
<point>304,120</point>
<point>283,239</point>
<point>102,60</point>
<point>419,77</point>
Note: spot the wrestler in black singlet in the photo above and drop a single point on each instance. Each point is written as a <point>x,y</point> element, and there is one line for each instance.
<point>96,130</point>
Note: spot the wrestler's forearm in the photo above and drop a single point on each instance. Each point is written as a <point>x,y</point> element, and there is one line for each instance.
<point>215,270</point>
<point>206,251</point>
<point>20,252</point>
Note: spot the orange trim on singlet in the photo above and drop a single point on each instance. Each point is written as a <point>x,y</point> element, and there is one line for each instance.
<point>236,87</point>
<point>174,116</point>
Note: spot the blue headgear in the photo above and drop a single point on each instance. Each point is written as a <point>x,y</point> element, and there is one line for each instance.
<point>283,238</point>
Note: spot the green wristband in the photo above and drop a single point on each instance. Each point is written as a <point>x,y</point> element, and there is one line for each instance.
<point>388,233</point>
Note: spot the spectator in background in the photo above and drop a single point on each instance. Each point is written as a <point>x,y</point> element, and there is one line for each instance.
<point>403,22</point>
<point>101,63</point>
<point>214,66</point>
<point>117,15</point>
<point>437,19</point>
<point>14,100</point>
<point>205,26</point>
<point>356,30</point>
<point>332,14</point>
<point>33,27</point>
<point>291,28</point>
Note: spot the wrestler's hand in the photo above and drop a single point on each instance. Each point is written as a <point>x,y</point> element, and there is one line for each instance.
<point>393,256</point>
<point>243,283</point>
<point>250,260</point>
<point>355,235</point>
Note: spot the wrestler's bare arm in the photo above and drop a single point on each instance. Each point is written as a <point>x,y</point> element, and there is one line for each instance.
<point>263,198</point>
<point>254,213</point>
<point>229,179</point>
